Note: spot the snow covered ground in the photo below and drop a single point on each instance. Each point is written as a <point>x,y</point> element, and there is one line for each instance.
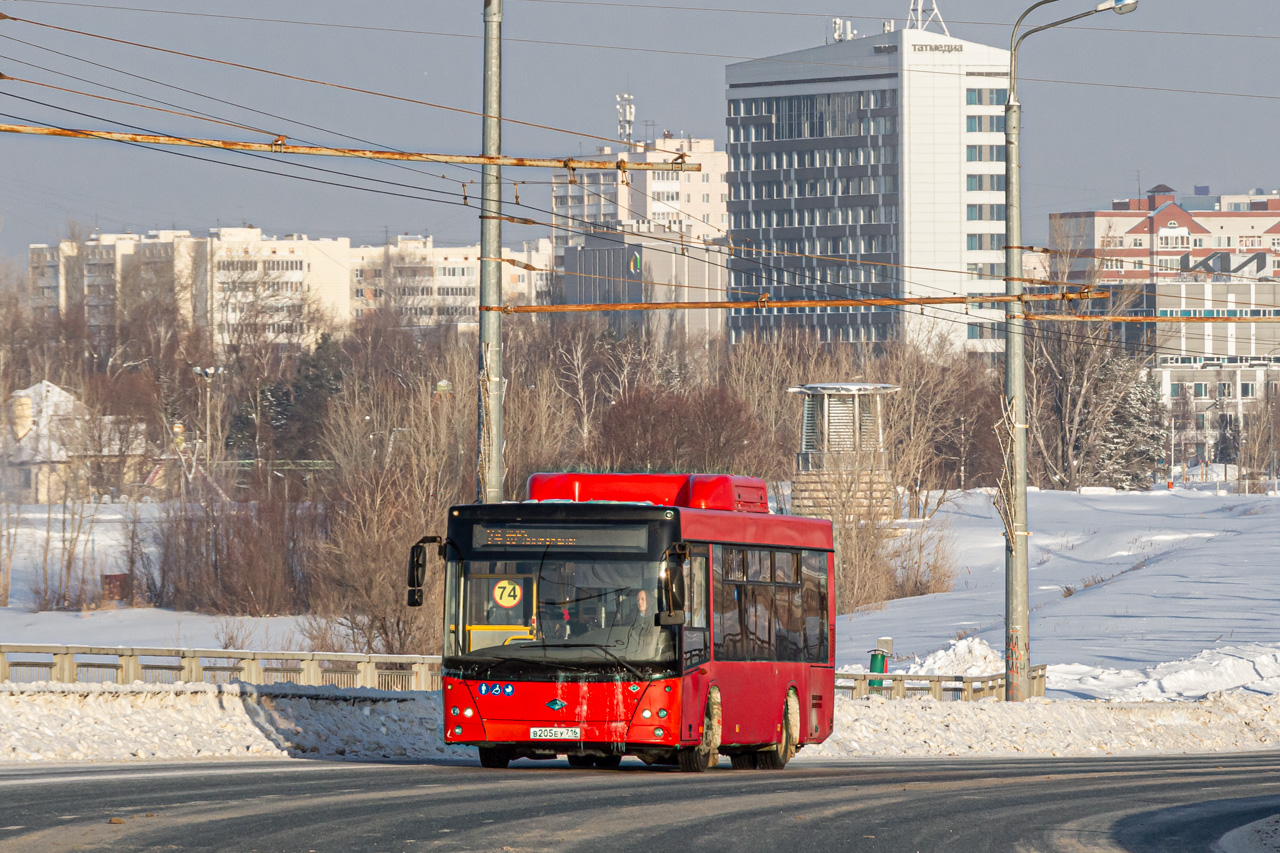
<point>1154,577</point>
<point>1165,606</point>
<point>108,722</point>
<point>101,551</point>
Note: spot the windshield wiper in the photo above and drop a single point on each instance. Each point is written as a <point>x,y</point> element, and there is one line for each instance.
<point>638,674</point>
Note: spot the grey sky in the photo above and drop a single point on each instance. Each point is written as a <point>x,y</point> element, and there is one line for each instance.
<point>1083,144</point>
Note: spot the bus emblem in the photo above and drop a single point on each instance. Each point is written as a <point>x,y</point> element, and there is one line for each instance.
<point>556,704</point>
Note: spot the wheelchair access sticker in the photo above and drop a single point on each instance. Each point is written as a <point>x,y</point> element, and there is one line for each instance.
<point>507,593</point>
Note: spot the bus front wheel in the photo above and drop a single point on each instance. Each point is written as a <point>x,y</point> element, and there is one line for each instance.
<point>696,759</point>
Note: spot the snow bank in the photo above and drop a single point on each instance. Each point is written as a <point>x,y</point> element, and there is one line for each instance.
<point>108,722</point>
<point>1262,836</point>
<point>969,656</point>
<point>1224,722</point>
<point>1254,667</point>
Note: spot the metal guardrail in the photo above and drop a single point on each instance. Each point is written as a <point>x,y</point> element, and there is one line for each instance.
<point>25,663</point>
<point>900,685</point>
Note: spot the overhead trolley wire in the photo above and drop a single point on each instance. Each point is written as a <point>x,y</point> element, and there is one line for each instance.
<point>802,273</point>
<point>342,87</point>
<point>651,7</point>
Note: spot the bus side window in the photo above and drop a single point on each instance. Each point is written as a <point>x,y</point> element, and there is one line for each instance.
<point>727,634</point>
<point>813,591</point>
<point>758,613</point>
<point>697,648</point>
<point>788,621</point>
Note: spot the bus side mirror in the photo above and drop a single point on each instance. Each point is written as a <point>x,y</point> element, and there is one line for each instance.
<point>418,566</point>
<point>670,617</point>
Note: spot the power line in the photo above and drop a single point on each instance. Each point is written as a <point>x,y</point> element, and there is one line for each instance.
<point>651,7</point>
<point>281,146</point>
<point>313,81</point>
<point>801,273</point>
<point>670,52</point>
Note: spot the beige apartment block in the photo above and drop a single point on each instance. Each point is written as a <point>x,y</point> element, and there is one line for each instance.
<point>283,290</point>
<point>243,285</point>
<point>437,287</point>
<point>691,203</point>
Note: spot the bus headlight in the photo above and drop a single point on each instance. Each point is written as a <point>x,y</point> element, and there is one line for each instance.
<point>457,730</point>
<point>662,712</point>
<point>646,713</point>
<point>657,732</point>
<point>468,713</point>
<point>454,710</point>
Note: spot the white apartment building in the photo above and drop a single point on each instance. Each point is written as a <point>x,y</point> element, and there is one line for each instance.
<point>870,166</point>
<point>272,288</point>
<point>1204,257</point>
<point>688,203</point>
<point>438,286</point>
<point>236,281</point>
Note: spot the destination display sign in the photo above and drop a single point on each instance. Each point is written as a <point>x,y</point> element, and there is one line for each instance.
<point>562,537</point>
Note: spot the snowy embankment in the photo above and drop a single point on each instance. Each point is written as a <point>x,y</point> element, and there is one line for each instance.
<point>108,722</point>
<point>1158,614</point>
<point>52,722</point>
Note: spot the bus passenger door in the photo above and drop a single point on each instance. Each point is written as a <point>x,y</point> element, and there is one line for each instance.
<point>693,703</point>
<point>696,644</point>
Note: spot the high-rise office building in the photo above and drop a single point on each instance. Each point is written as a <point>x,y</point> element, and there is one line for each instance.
<point>871,165</point>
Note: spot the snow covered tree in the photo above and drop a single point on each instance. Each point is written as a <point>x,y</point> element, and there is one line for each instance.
<point>1136,440</point>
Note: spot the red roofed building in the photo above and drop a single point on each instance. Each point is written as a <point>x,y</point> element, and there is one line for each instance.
<point>1210,257</point>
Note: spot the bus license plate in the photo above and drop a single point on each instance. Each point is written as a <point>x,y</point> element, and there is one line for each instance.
<point>555,734</point>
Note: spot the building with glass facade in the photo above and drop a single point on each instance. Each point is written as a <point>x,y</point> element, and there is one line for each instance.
<point>871,166</point>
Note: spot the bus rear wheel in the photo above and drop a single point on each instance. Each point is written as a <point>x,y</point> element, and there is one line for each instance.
<point>777,757</point>
<point>744,760</point>
<point>494,758</point>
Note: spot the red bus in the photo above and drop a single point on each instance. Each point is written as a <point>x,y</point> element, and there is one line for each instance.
<point>668,617</point>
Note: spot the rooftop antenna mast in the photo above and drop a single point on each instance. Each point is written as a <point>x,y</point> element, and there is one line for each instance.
<point>919,18</point>
<point>626,117</point>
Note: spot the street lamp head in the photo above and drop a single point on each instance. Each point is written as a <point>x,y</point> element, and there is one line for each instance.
<point>1120,7</point>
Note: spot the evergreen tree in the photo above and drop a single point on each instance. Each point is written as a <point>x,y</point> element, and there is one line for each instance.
<point>1136,438</point>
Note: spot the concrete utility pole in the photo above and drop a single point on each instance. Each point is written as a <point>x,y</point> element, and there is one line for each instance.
<point>1017,623</point>
<point>489,423</point>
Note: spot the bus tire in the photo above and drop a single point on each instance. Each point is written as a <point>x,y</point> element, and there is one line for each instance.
<point>581,761</point>
<point>744,760</point>
<point>784,750</point>
<point>608,762</point>
<point>693,759</point>
<point>494,758</point>
<point>696,759</point>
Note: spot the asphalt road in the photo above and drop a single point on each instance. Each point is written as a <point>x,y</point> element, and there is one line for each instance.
<point>1165,804</point>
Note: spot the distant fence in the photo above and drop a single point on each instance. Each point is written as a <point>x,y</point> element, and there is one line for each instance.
<point>24,663</point>
<point>899,685</point>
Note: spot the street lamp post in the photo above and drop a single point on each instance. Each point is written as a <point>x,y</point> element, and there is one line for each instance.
<point>1017,610</point>
<point>207,374</point>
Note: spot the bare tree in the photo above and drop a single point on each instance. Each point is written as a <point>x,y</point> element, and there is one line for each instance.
<point>401,456</point>
<point>1078,376</point>
<point>10,521</point>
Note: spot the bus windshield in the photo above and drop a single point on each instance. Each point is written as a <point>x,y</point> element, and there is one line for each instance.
<point>559,613</point>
